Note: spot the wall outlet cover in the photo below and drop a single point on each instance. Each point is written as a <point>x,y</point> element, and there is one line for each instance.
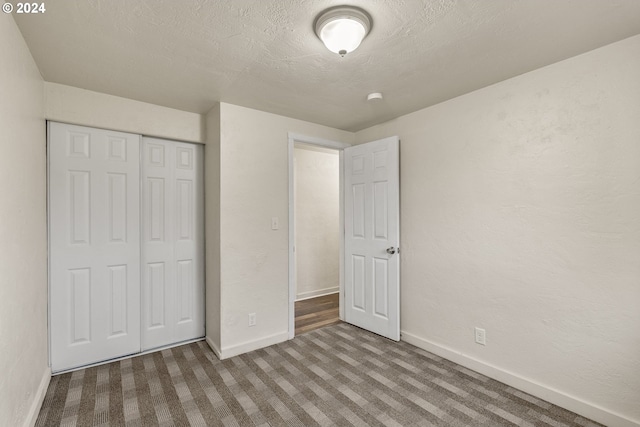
<point>481,336</point>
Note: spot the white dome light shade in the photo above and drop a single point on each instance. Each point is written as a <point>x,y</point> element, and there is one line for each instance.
<point>342,35</point>
<point>342,28</point>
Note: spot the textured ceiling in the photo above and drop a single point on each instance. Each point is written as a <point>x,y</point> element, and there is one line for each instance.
<point>263,54</point>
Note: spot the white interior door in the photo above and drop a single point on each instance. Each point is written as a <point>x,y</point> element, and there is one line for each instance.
<point>172,242</point>
<point>94,256</point>
<point>372,233</point>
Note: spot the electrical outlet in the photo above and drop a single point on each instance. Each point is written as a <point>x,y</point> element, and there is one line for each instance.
<point>252,319</point>
<point>275,224</point>
<point>481,336</point>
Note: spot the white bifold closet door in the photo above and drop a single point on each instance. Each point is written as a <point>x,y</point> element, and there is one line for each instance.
<point>172,242</point>
<point>94,245</point>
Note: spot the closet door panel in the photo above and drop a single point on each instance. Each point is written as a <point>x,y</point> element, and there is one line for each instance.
<point>173,242</point>
<point>94,256</point>
<point>189,242</point>
<point>157,243</point>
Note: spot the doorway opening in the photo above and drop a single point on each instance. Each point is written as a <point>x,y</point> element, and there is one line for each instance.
<point>316,233</point>
<point>316,191</point>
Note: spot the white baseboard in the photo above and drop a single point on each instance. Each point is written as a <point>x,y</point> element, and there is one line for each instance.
<point>248,346</point>
<point>557,397</point>
<point>214,347</point>
<point>34,410</point>
<point>317,293</point>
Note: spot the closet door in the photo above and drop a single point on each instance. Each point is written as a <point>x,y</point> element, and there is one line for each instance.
<point>172,242</point>
<point>94,256</point>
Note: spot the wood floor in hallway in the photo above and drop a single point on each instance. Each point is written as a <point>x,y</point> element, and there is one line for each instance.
<point>314,313</point>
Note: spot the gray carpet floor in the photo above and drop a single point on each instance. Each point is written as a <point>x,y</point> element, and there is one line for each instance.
<point>335,376</point>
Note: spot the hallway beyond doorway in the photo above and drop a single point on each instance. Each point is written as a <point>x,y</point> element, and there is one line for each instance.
<point>314,313</point>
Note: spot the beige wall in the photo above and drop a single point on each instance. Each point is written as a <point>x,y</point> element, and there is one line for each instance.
<point>521,215</point>
<point>24,372</point>
<point>254,258</point>
<point>317,221</point>
<point>69,104</point>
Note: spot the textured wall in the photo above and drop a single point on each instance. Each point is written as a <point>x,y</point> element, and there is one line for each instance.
<point>521,214</point>
<point>73,105</point>
<point>23,235</point>
<point>254,258</point>
<point>317,210</point>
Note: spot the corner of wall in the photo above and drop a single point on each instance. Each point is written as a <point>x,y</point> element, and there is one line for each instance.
<point>212,227</point>
<point>247,346</point>
<point>34,410</point>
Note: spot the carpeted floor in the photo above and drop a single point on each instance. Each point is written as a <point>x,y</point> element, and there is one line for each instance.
<point>339,375</point>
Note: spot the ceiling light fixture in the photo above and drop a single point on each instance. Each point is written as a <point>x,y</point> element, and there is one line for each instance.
<point>342,28</point>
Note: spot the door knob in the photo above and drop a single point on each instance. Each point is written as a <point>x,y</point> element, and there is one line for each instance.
<point>391,250</point>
